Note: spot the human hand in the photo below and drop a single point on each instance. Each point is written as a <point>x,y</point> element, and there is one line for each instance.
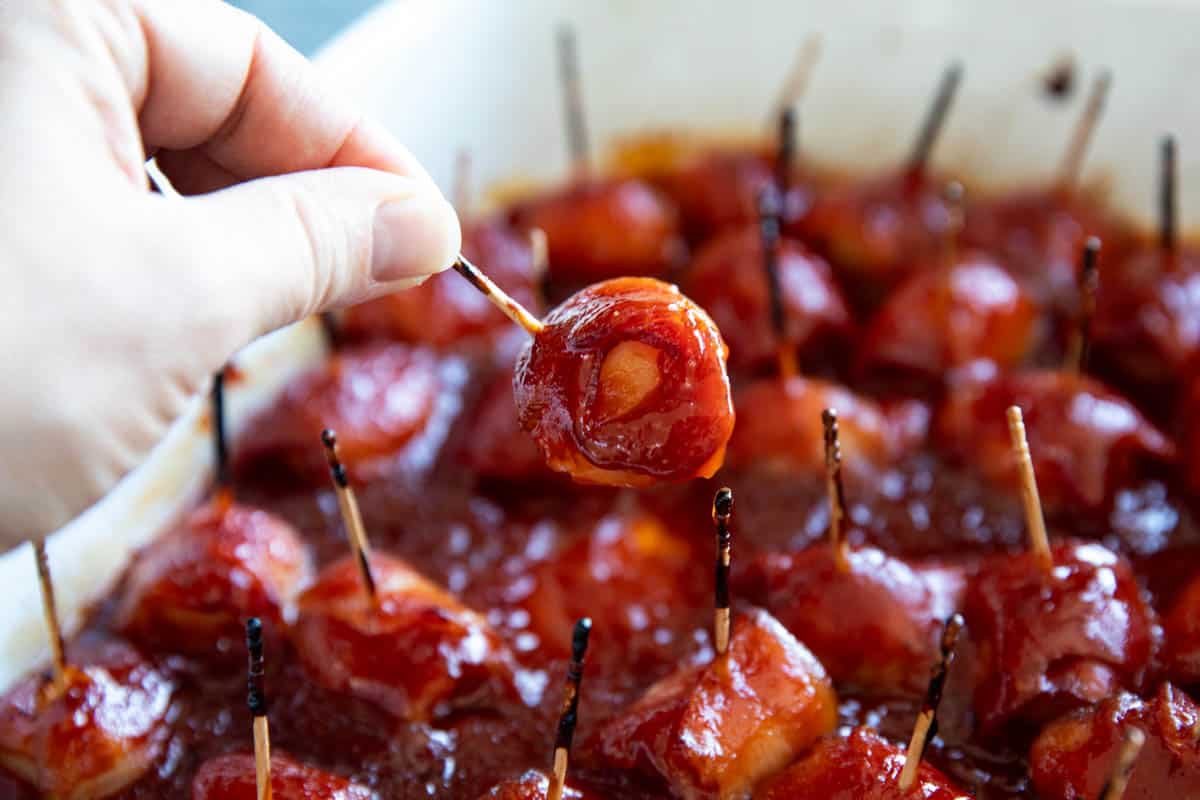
<point>120,303</point>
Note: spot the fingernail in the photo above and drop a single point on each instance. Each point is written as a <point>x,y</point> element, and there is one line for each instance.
<point>414,236</point>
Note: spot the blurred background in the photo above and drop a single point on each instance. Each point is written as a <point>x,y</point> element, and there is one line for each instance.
<point>306,24</point>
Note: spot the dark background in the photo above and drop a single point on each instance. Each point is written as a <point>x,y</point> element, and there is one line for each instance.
<point>306,24</point>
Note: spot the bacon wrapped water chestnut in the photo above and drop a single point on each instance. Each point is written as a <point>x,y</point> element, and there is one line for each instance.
<point>899,608</point>
<point>408,645</point>
<point>626,385</point>
<point>92,734</point>
<point>716,730</point>
<point>232,777</point>
<point>1045,641</point>
<point>444,310</point>
<point>861,766</point>
<point>1087,441</point>
<point>779,427</point>
<point>598,229</point>
<point>192,590</point>
<point>378,398</point>
<point>1074,756</point>
<point>495,446</point>
<point>727,279</point>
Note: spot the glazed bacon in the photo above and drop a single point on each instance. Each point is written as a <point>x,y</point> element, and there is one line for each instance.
<point>899,608</point>
<point>626,386</point>
<point>378,398</point>
<point>1148,314</point>
<point>416,650</point>
<point>727,279</point>
<point>532,785</point>
<point>192,590</point>
<point>718,189</point>
<point>445,310</point>
<point>1181,627</point>
<point>1038,236</point>
<point>1074,756</point>
<point>861,766</point>
<point>716,730</point>
<point>943,319</point>
<point>598,229</point>
<point>96,733</point>
<point>1044,643</point>
<point>779,427</point>
<point>630,574</point>
<point>1086,440</point>
<point>232,777</point>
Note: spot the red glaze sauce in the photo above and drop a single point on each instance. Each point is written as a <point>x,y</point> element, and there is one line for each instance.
<point>232,777</point>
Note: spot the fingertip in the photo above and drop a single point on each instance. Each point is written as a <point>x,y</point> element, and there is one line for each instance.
<point>414,235</point>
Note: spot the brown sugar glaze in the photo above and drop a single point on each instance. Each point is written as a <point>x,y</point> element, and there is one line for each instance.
<point>491,542</point>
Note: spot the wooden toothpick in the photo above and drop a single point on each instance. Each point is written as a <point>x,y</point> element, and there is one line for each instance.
<point>500,299</point>
<point>50,613</point>
<point>356,532</point>
<point>1068,174</point>
<point>569,716</point>
<point>935,118</point>
<point>1131,745</point>
<point>834,490</point>
<point>1039,542</point>
<point>256,701</point>
<point>925,727</point>
<point>1081,336</point>
<point>769,224</point>
<point>722,510</point>
<point>576,121</point>
<point>799,76</point>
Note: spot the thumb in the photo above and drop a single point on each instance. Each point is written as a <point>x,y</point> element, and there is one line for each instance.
<point>278,249</point>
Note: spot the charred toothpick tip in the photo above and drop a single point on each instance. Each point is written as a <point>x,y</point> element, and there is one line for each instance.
<point>256,701</point>
<point>1089,278</point>
<point>50,612</point>
<point>500,299</point>
<point>1084,129</point>
<point>568,68</point>
<point>926,725</point>
<point>1131,746</point>
<point>935,118</point>
<point>356,532</point>
<point>569,716</point>
<point>220,443</point>
<point>722,510</point>
<point>800,74</point>
<point>1039,542</point>
<point>1167,195</point>
<point>769,225</point>
<point>835,489</point>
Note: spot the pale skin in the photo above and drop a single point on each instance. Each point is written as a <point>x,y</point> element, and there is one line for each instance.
<point>120,303</point>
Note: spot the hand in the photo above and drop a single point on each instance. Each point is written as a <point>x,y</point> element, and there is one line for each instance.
<point>120,303</point>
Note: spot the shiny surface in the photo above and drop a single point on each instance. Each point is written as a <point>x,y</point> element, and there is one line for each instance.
<point>417,652</point>
<point>192,590</point>
<point>231,777</point>
<point>1042,644</point>
<point>1074,756</point>
<point>727,279</point>
<point>94,735</point>
<point>715,730</point>
<point>673,429</point>
<point>861,766</point>
<point>1086,439</point>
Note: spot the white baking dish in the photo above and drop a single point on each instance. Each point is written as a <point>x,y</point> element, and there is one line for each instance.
<point>447,74</point>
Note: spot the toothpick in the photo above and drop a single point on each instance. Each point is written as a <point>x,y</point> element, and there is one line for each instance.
<point>568,71</point>
<point>500,299</point>
<point>1081,336</point>
<point>356,532</point>
<point>256,701</point>
<point>570,709</point>
<point>785,156</point>
<point>222,485</point>
<point>925,727</point>
<point>1038,540</point>
<point>50,613</point>
<point>769,231</point>
<point>834,490</point>
<point>1167,201</point>
<point>953,195</point>
<point>1081,137</point>
<point>722,510</point>
<point>799,76</point>
<point>1131,745</point>
<point>935,118</point>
